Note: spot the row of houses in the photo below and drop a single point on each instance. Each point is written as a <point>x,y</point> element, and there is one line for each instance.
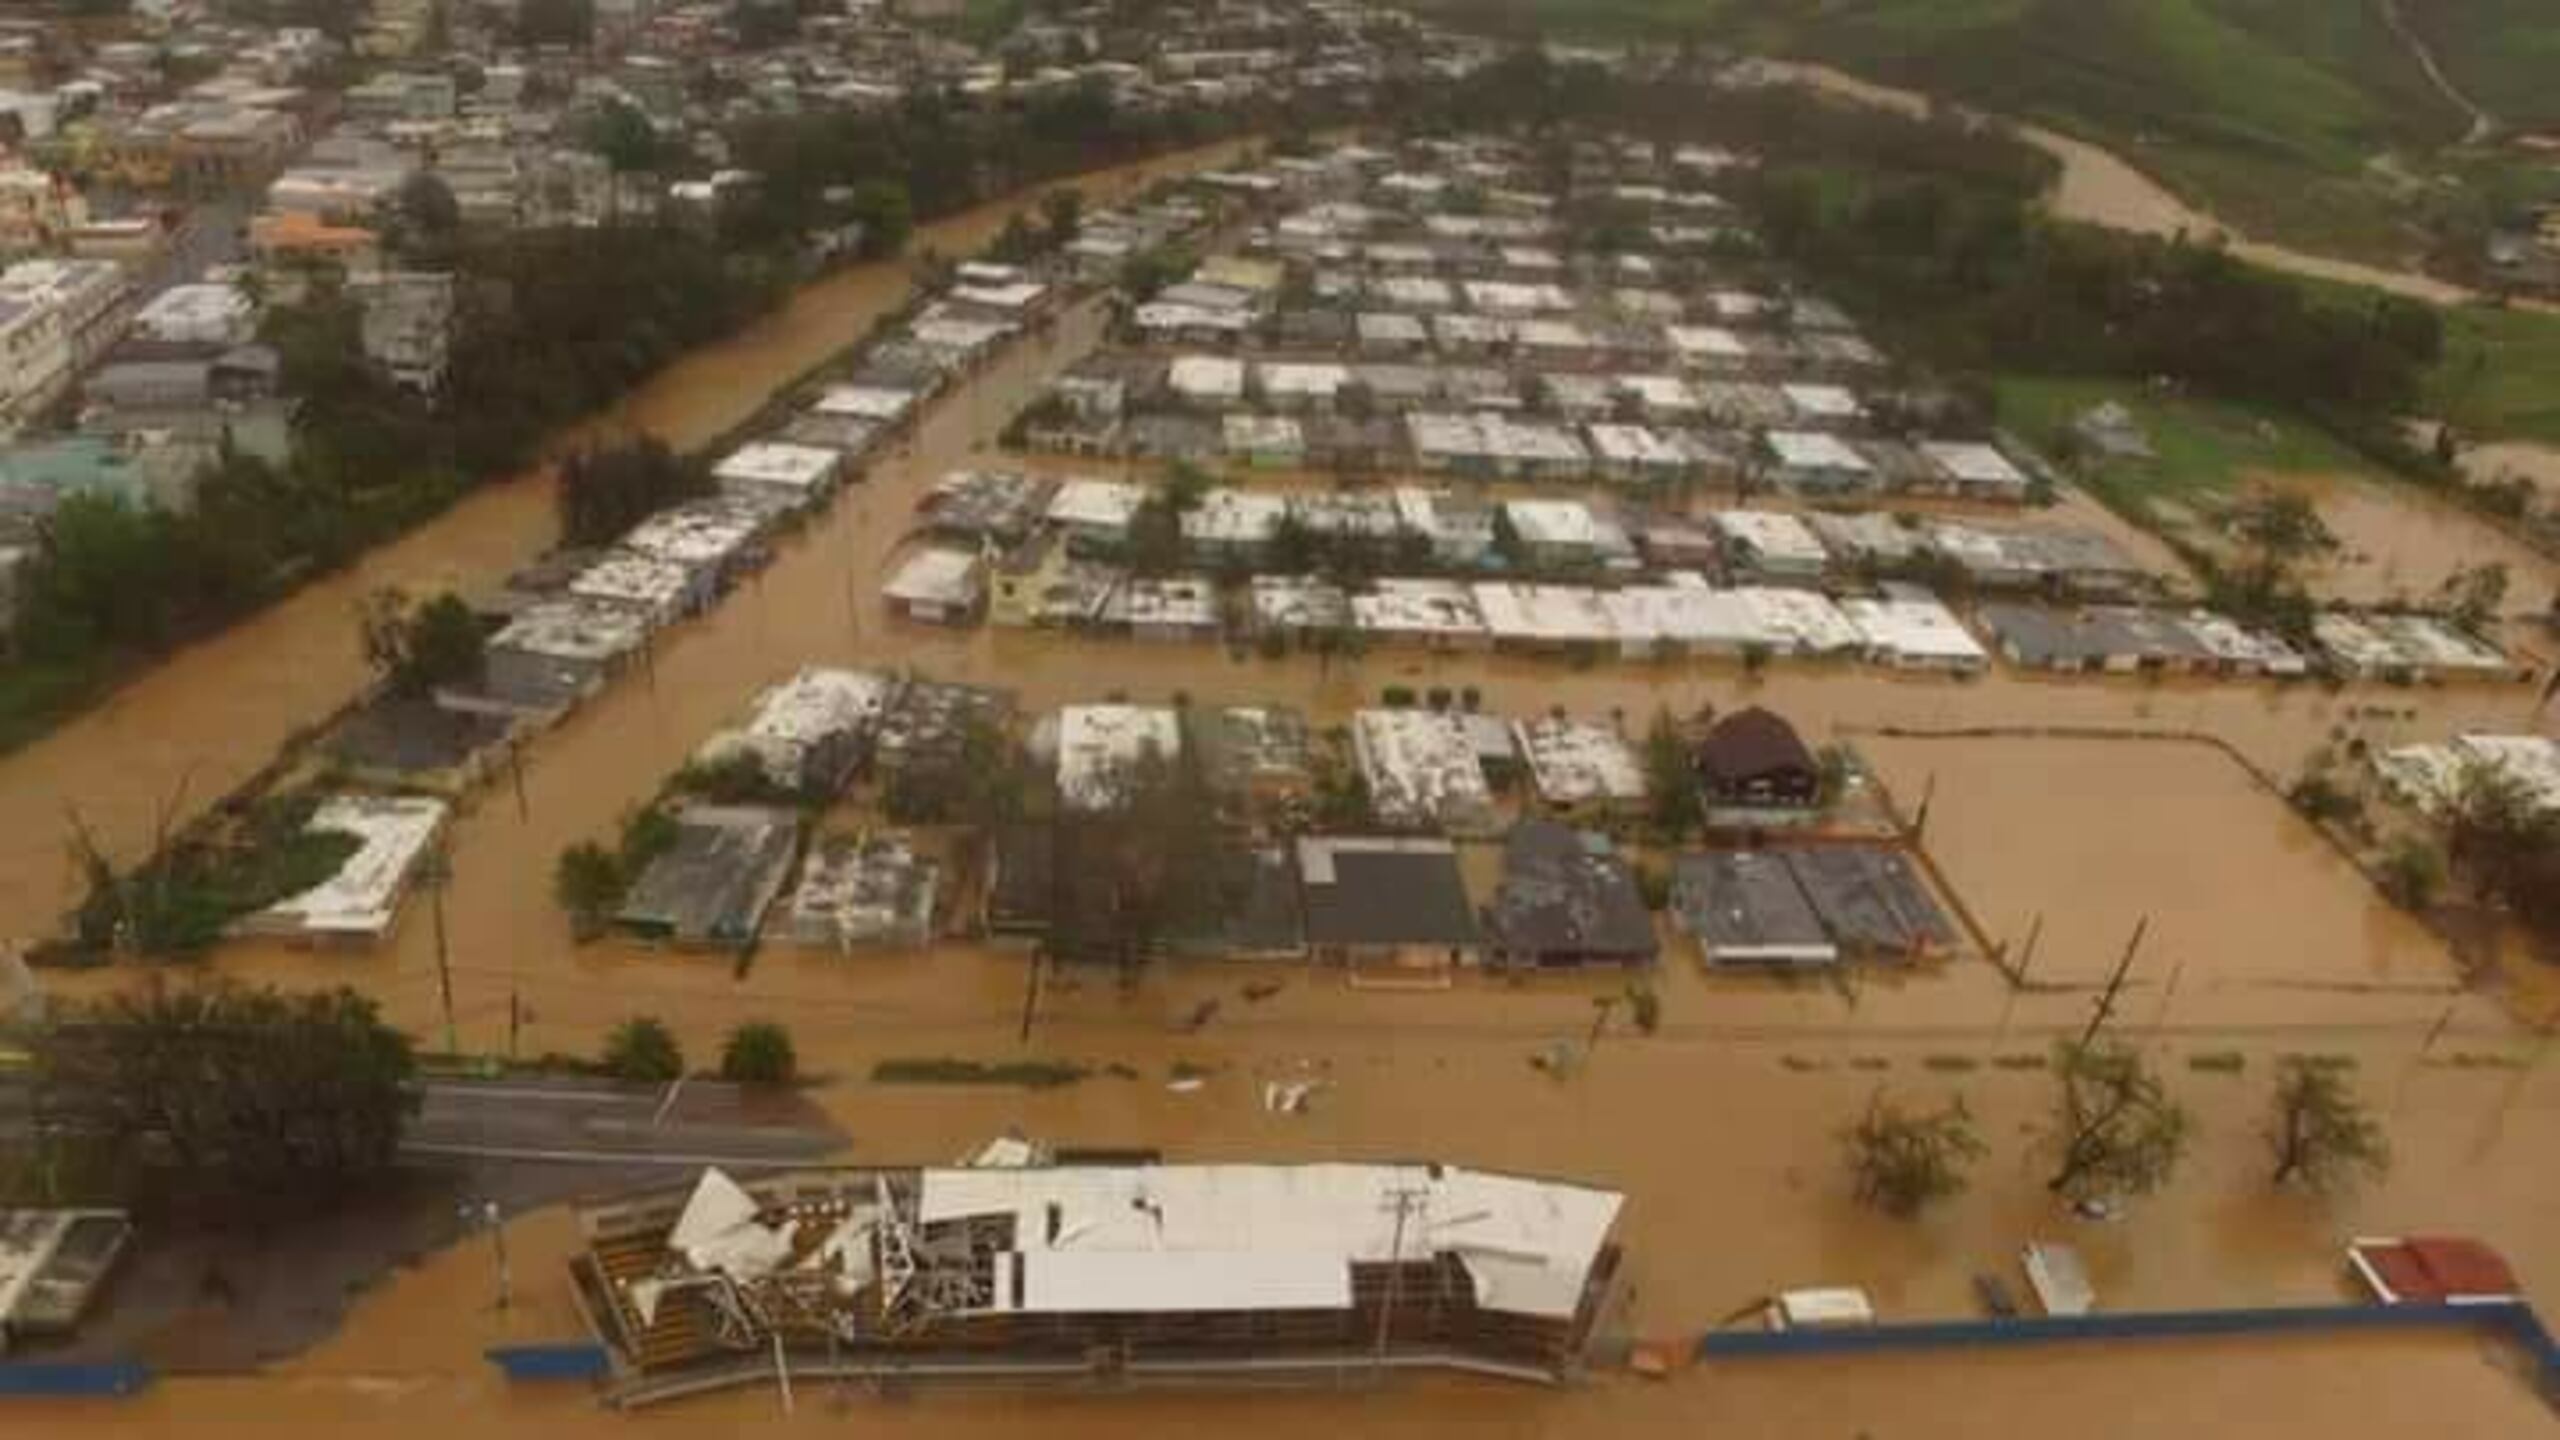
<point>1493,423</point>
<point>582,625</point>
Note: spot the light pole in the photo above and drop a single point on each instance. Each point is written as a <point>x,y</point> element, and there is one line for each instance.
<point>485,1213</point>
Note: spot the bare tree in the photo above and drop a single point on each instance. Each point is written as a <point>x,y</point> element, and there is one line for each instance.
<point>2321,1135</point>
<point>1901,1161</point>
<point>2119,1132</point>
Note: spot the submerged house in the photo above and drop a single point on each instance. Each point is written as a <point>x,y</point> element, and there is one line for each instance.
<point>712,887</point>
<point>1386,903</point>
<point>1754,769</point>
<point>1567,899</point>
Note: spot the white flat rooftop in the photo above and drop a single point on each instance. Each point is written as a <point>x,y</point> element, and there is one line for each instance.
<point>773,462</point>
<point>363,897</point>
<point>1162,1238</point>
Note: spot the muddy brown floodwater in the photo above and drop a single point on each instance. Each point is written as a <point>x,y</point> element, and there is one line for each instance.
<point>2398,543</point>
<point>1720,1127</point>
<point>195,725</point>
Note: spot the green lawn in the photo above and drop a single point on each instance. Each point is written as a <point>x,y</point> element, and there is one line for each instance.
<point>2500,376</point>
<point>2505,54</point>
<point>2203,445</point>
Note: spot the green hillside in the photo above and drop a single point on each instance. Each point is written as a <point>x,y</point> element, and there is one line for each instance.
<point>2269,111</point>
<point>2505,54</point>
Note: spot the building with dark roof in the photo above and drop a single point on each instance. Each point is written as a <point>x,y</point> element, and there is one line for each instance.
<point>1745,908</point>
<point>714,884</point>
<point>1871,901</point>
<point>1752,763</point>
<point>1395,902</point>
<point>1566,899</point>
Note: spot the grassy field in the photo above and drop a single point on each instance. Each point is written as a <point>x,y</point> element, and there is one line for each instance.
<point>2204,446</point>
<point>2505,54</point>
<point>2500,376</point>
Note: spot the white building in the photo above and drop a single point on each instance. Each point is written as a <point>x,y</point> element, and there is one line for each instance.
<point>808,732</point>
<point>198,314</point>
<point>660,591</point>
<point>1100,746</point>
<point>938,585</point>
<point>1211,381</point>
<point>884,404</point>
<point>359,902</point>
<point>1578,767</point>
<point>1440,614</point>
<point>1770,543</point>
<point>1975,469</point>
<point>793,477</point>
<point>1819,463</point>
<point>1422,770</point>
<point>1908,629</point>
<point>56,318</point>
<point>1096,513</point>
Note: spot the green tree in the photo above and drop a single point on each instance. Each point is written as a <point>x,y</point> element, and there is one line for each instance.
<point>2499,836</point>
<point>2321,1136</point>
<point>2279,529</point>
<point>1902,1161</point>
<point>1062,214</point>
<point>426,218</point>
<point>417,648</point>
<point>2473,594</point>
<point>2411,873</point>
<point>555,22</point>
<point>277,1100</point>
<point>887,217</point>
<point>1671,782</point>
<point>643,1048</point>
<point>2117,1130</point>
<point>759,1052</point>
<point>589,883</point>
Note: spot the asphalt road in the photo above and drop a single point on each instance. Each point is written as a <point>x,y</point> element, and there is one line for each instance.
<point>567,1121</point>
<point>691,1123</point>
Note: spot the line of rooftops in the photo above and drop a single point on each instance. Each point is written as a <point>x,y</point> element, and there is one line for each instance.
<point>1455,572</point>
<point>1392,894</point>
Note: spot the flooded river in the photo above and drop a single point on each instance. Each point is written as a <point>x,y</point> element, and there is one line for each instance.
<point>2099,187</point>
<point>195,725</point>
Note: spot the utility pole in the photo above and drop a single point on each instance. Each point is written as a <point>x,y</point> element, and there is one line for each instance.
<point>439,875</point>
<point>515,767</point>
<point>2018,977</point>
<point>1031,989</point>
<point>2115,985</point>
<point>515,1020</point>
<point>1402,1199</point>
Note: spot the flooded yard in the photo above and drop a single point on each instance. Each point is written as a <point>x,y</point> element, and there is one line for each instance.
<point>2091,837</point>
<point>2400,544</point>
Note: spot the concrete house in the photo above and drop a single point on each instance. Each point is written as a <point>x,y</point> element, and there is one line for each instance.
<point>1566,900</point>
<point>1388,905</point>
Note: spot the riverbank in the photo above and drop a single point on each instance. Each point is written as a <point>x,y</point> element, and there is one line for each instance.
<point>180,733</point>
<point>2099,187</point>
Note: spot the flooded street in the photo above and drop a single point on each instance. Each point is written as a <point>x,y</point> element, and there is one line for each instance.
<point>192,727</point>
<point>1735,1190</point>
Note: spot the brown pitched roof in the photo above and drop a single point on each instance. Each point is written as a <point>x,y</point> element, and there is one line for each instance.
<point>1752,742</point>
